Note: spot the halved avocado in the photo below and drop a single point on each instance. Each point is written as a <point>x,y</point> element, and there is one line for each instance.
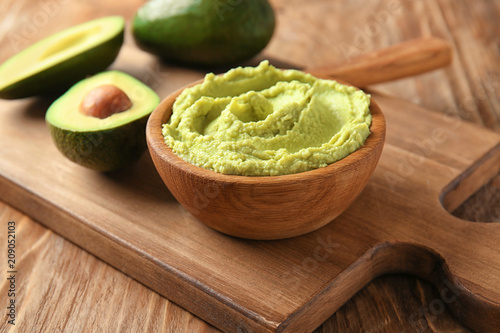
<point>107,143</point>
<point>56,62</point>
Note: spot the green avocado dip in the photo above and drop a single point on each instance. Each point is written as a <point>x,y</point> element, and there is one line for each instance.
<point>263,121</point>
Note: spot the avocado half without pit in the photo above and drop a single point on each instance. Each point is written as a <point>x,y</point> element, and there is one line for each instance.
<point>55,63</point>
<point>100,122</point>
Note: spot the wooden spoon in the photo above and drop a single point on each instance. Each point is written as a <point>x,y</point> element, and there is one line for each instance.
<point>413,57</point>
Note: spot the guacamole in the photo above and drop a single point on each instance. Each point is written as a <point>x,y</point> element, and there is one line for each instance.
<point>263,121</point>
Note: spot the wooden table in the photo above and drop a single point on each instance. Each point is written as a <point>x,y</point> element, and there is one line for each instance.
<point>63,288</point>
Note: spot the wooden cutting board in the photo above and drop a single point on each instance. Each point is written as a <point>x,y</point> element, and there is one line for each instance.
<point>400,223</point>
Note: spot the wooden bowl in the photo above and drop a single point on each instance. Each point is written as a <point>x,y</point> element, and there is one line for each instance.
<point>264,207</point>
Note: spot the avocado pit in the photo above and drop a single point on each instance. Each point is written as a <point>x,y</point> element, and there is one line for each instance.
<point>104,101</point>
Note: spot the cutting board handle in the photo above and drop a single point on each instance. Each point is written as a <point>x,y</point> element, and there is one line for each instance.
<point>413,57</point>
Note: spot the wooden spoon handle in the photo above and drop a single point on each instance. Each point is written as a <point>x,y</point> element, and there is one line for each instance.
<point>402,60</point>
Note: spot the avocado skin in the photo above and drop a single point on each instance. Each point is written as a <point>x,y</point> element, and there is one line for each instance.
<point>105,150</point>
<point>63,75</point>
<point>206,33</point>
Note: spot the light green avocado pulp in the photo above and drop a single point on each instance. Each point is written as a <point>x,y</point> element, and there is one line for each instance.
<point>59,48</point>
<point>64,113</point>
<point>265,121</point>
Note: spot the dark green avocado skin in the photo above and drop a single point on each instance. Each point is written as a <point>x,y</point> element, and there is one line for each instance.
<point>207,32</point>
<point>63,75</point>
<point>105,150</point>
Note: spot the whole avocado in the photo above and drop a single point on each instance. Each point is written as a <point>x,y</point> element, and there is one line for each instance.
<point>204,32</point>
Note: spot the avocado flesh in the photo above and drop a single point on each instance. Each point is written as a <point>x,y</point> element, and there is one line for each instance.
<point>55,63</point>
<point>204,32</point>
<point>102,144</point>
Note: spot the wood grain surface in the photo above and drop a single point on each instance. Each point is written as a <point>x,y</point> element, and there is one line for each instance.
<point>62,286</point>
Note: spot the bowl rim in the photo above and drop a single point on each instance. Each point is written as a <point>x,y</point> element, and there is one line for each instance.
<point>156,144</point>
